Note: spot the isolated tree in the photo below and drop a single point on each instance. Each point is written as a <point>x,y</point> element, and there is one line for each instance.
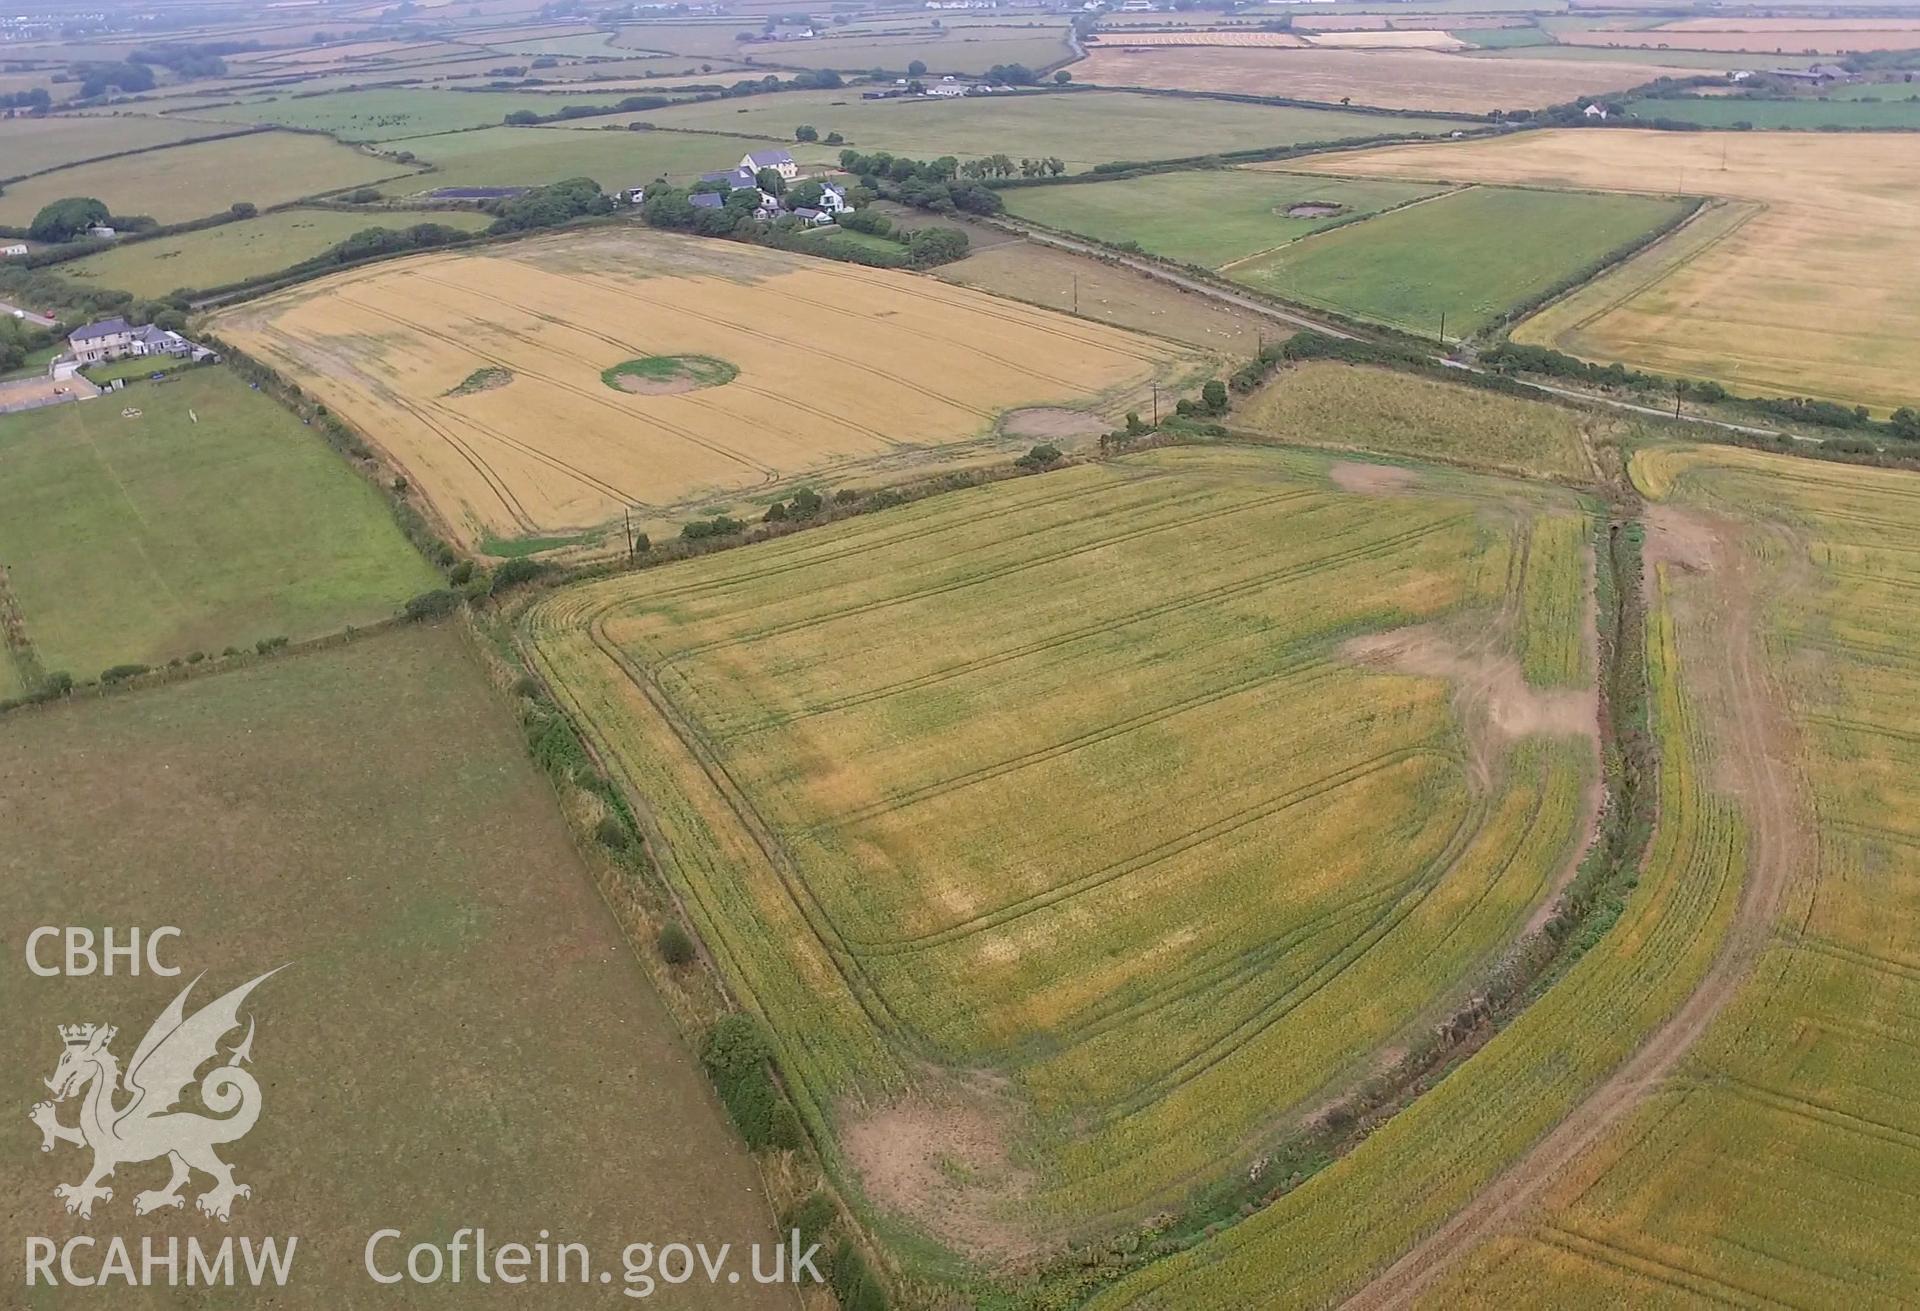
<point>244,209</point>
<point>918,68</point>
<point>1056,165</point>
<point>64,220</point>
<point>806,132</point>
<point>1214,396</point>
<point>1062,77</point>
<point>770,181</point>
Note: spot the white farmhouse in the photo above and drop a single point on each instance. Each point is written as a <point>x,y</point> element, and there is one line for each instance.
<point>9,252</point>
<point>781,161</point>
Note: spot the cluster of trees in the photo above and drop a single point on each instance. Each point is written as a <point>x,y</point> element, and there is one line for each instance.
<point>191,61</point>
<point>18,340</point>
<point>630,105</point>
<point>926,184</point>
<point>63,220</point>
<point>369,242</point>
<point>96,79</point>
<point>1012,75</point>
<point>548,206</point>
<point>34,100</point>
<point>1002,166</point>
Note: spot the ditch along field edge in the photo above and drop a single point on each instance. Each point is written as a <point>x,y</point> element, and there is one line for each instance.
<point>1454,1014</point>
<point>1750,760</point>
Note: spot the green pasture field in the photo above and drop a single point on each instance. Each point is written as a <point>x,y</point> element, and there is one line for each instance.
<point>1472,255</point>
<point>394,113</point>
<point>32,145</point>
<point>459,1037</point>
<point>1083,128</point>
<point>1210,217</point>
<point>204,178</point>
<point>1895,112</point>
<point>237,252</point>
<point>836,238</point>
<point>1331,404</point>
<point>525,157</point>
<point>1503,38</point>
<point>1084,798</point>
<point>211,519</point>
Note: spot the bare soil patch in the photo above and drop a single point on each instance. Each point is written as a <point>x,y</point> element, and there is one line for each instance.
<point>1052,421</point>
<point>1312,209</point>
<point>1371,479</point>
<point>1493,695</point>
<point>943,1163</point>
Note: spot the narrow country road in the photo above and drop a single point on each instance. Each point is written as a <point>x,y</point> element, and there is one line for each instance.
<point>15,312</point>
<point>1153,270</point>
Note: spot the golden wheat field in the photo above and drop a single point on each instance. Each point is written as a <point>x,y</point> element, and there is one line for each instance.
<point>1775,1168</point>
<point>481,373</point>
<point>1077,835</point>
<point>1810,287</point>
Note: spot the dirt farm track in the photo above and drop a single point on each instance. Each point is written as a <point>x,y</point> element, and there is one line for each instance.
<point>841,368</point>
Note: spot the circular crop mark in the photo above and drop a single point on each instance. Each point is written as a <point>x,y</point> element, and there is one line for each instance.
<point>665,375</point>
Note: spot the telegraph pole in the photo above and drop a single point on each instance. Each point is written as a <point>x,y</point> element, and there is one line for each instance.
<point>1156,405</point>
<point>627,514</point>
<point>1076,293</point>
<point>1443,327</point>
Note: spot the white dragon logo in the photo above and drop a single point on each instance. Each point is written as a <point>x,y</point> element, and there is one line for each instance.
<point>147,1126</point>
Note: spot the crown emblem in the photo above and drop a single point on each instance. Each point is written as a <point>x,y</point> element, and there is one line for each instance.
<point>79,1035</point>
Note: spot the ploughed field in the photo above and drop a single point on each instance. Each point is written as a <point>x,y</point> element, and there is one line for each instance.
<point>840,370</point>
<point>1078,835</point>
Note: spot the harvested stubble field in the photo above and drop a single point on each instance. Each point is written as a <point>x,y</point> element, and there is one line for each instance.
<point>1777,297</point>
<point>1469,256</point>
<point>1390,79</point>
<point>205,177</point>
<point>1124,816</point>
<point>1772,40</point>
<point>1331,404</point>
<point>236,252</point>
<point>212,518</point>
<point>1211,217</point>
<point>31,145</point>
<point>1083,128</point>
<point>1111,293</point>
<point>884,373</point>
<point>1776,1165</point>
<point>460,1036</point>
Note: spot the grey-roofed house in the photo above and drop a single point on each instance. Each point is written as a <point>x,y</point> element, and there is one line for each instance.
<point>781,161</point>
<point>109,339</point>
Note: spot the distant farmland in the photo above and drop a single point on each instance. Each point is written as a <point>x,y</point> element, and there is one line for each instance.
<point>1470,256</point>
<point>1082,128</point>
<point>880,372</point>
<point>1767,296</point>
<point>203,178</point>
<point>1085,798</point>
<point>1210,217</point>
<point>235,252</point>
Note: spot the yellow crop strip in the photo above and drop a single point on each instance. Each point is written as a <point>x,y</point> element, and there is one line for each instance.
<point>1324,1239</point>
<point>1779,1167</point>
<point>1084,791</point>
